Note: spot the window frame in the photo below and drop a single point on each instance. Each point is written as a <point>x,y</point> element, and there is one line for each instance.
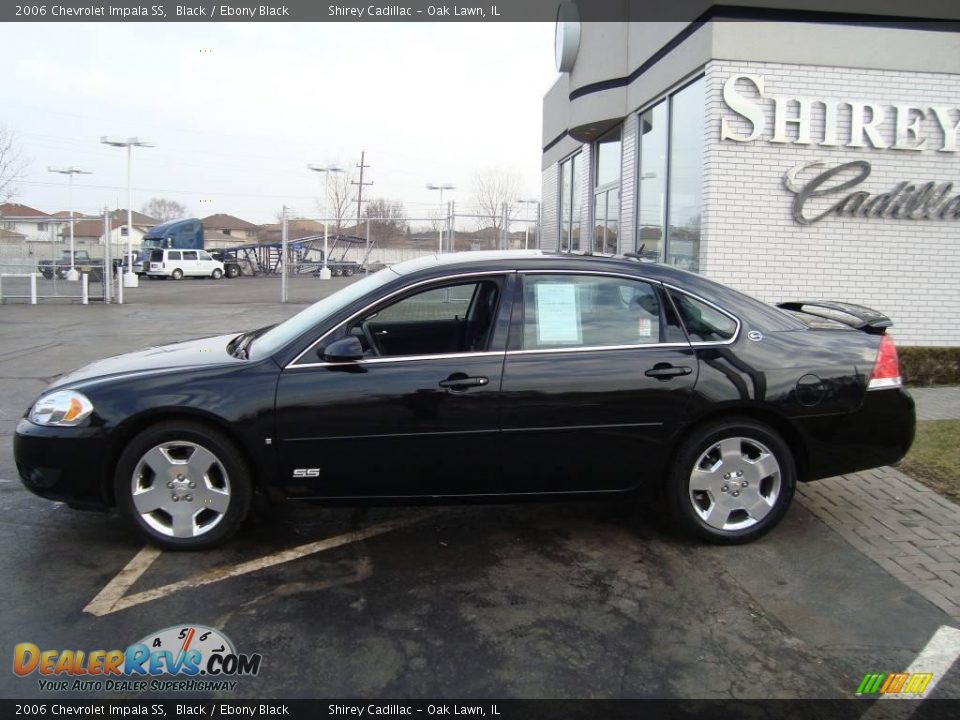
<point>574,160</point>
<point>339,330</point>
<point>667,98</point>
<point>605,190</point>
<point>515,341</point>
<point>701,343</point>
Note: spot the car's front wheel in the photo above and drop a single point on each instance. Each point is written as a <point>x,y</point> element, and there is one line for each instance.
<point>183,485</point>
<point>732,481</point>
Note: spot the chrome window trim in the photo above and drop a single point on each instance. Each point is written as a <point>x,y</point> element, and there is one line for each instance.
<point>398,358</point>
<point>292,365</point>
<point>708,343</point>
<point>596,348</point>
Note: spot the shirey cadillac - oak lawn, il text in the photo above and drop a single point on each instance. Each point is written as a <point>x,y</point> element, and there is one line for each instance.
<point>483,376</point>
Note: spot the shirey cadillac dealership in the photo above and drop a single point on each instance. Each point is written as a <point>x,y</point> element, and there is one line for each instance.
<point>793,160</point>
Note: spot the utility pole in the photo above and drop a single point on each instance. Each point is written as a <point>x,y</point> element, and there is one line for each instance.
<point>360,185</point>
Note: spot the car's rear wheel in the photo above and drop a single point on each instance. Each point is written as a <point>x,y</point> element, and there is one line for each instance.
<point>183,485</point>
<point>177,274</point>
<point>217,273</point>
<point>732,481</point>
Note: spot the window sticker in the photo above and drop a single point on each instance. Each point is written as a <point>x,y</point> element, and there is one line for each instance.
<point>644,328</point>
<point>558,314</point>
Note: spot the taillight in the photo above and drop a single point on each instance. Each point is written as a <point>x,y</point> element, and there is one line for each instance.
<point>886,369</point>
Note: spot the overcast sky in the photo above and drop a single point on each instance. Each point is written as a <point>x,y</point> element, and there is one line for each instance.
<point>237,110</point>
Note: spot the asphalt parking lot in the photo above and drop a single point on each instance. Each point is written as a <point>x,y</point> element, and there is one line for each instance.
<point>566,600</point>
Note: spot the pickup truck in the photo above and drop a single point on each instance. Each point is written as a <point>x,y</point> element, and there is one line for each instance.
<point>81,261</point>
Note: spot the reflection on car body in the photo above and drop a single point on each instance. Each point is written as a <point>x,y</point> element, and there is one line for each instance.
<point>482,376</point>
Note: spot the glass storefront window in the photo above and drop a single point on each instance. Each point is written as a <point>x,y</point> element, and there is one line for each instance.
<point>570,204</point>
<point>670,178</point>
<point>686,176</point>
<point>652,181</point>
<point>608,158</point>
<point>606,198</point>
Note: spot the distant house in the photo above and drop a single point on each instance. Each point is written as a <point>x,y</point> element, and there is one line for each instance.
<point>224,225</point>
<point>296,228</point>
<point>35,225</point>
<point>90,232</point>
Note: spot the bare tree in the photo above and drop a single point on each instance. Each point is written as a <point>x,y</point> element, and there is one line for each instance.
<point>493,189</point>
<point>341,196</point>
<point>387,218</point>
<point>12,164</point>
<point>163,209</point>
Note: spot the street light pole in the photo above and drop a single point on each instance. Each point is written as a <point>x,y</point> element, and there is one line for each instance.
<point>130,278</point>
<point>72,274</point>
<point>325,271</point>
<point>441,187</point>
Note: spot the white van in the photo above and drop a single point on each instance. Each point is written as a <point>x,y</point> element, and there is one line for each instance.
<point>178,264</point>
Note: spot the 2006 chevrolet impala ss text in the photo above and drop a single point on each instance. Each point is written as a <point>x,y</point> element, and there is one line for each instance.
<point>483,376</point>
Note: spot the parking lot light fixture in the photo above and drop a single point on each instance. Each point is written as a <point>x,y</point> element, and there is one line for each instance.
<point>441,187</point>
<point>72,274</point>
<point>129,278</point>
<point>326,170</point>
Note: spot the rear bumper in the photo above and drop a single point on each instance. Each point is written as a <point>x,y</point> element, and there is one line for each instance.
<point>63,464</point>
<point>879,433</point>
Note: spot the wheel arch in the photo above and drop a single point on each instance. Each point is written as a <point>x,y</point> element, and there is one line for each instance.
<point>782,425</point>
<point>132,426</point>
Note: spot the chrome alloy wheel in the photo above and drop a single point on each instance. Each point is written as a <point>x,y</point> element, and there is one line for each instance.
<point>735,483</point>
<point>180,489</point>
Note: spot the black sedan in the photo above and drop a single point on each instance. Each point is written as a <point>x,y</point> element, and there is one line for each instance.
<point>483,376</point>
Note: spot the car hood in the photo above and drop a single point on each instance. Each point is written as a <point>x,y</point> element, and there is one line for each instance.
<point>192,353</point>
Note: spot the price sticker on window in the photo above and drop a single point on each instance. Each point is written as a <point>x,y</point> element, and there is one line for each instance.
<point>558,314</point>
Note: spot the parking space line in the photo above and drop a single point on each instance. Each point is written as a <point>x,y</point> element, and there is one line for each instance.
<point>114,590</point>
<point>937,657</point>
<point>113,597</point>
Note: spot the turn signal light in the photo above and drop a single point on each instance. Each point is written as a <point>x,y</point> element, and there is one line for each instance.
<point>886,369</point>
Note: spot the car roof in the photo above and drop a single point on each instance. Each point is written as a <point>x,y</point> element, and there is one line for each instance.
<point>768,317</point>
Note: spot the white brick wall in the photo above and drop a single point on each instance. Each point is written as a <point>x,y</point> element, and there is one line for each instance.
<point>908,269</point>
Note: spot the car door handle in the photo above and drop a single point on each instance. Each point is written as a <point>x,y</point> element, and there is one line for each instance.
<point>463,382</point>
<point>665,371</point>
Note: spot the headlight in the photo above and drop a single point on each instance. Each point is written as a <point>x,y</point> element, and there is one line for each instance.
<point>64,408</point>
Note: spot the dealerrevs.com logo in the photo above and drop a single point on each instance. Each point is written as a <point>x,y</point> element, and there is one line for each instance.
<point>186,658</point>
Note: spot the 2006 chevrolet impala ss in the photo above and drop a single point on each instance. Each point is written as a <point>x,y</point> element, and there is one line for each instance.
<point>483,375</point>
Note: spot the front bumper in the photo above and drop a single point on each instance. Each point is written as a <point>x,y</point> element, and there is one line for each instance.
<point>64,464</point>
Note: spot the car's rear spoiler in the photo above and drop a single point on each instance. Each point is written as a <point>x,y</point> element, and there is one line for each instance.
<point>856,316</point>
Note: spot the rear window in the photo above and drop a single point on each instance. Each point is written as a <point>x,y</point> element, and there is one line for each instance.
<point>704,323</point>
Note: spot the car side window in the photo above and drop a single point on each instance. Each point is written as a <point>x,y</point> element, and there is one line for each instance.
<point>190,255</point>
<point>454,318</point>
<point>562,311</point>
<point>174,255</point>
<point>703,322</point>
<point>205,255</point>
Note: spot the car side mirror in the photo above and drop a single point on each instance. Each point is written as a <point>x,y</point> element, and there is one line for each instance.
<point>346,349</point>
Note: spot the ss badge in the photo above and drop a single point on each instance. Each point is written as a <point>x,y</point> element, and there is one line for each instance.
<point>306,472</point>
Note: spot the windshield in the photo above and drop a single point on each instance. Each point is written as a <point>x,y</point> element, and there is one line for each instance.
<point>277,337</point>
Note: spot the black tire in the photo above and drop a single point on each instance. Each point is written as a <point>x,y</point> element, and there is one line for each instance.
<point>701,449</point>
<point>348,272</point>
<point>216,274</point>
<point>236,478</point>
<point>177,274</point>
<point>232,272</point>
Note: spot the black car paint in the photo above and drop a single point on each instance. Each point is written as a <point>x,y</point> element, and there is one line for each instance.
<point>390,430</point>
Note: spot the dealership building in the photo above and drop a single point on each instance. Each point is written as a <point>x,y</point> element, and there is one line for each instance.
<point>791,160</point>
